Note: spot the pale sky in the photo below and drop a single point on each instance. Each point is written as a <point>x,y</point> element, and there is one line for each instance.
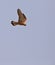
<point>30,45</point>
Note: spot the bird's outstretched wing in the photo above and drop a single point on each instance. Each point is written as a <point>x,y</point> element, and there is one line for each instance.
<point>14,23</point>
<point>19,12</point>
<point>24,16</point>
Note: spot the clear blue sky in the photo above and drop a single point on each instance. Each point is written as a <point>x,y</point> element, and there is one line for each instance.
<point>30,45</point>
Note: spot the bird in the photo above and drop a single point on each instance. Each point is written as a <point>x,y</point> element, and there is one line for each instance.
<point>21,19</point>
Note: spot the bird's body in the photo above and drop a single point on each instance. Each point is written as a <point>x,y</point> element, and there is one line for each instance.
<point>22,19</point>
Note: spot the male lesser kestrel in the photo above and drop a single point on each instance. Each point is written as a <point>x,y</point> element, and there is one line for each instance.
<point>22,19</point>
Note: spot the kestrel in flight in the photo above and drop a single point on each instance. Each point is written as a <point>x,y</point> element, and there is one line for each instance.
<point>22,19</point>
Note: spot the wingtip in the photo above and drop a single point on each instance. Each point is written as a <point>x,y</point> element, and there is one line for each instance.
<point>12,23</point>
